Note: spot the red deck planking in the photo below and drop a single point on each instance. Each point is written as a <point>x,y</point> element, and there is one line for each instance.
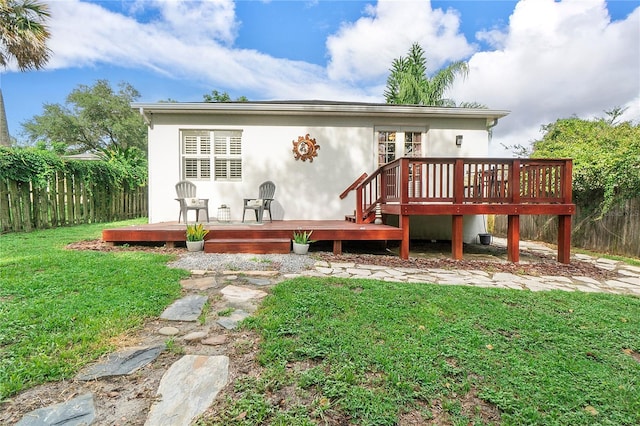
<point>406,187</point>
<point>241,234</point>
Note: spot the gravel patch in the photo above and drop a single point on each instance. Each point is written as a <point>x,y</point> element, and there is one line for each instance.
<point>284,263</point>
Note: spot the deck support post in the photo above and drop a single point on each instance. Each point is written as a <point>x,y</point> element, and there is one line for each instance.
<point>564,239</point>
<point>456,236</point>
<point>404,245</point>
<point>337,247</point>
<point>513,238</point>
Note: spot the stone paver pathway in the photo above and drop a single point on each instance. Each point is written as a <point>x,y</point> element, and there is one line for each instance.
<point>627,282</point>
<point>190,385</point>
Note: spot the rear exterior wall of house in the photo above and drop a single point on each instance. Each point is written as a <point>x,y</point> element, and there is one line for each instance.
<point>228,156</point>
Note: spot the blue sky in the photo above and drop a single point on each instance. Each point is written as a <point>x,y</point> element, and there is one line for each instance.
<point>540,59</point>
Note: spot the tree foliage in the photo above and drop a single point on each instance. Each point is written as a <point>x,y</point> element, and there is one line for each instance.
<point>606,158</point>
<point>216,96</point>
<point>94,118</point>
<point>23,37</point>
<point>23,33</point>
<point>409,83</point>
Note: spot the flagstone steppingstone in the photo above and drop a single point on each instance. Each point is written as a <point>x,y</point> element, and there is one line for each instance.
<point>231,322</point>
<point>443,271</point>
<point>618,283</point>
<point>260,282</point>
<point>195,335</point>
<point>396,273</point>
<point>312,273</point>
<point>581,256</point>
<point>629,273</point>
<point>200,284</point>
<point>378,275</point>
<point>230,275</point>
<point>556,278</point>
<point>321,264</point>
<point>479,272</point>
<point>188,308</point>
<point>168,331</point>
<point>260,273</point>
<point>409,270</point>
<point>605,260</point>
<point>122,363</point>
<point>234,293</point>
<point>482,284</point>
<point>586,279</point>
<point>372,267</point>
<point>79,411</point>
<point>587,289</point>
<point>187,389</point>
<point>606,267</point>
<point>359,271</point>
<point>199,272</point>
<point>631,280</point>
<point>538,287</point>
<point>220,339</point>
<point>504,276</point>
<point>632,268</point>
<point>342,265</point>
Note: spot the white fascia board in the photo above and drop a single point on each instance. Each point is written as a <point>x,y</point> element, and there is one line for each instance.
<point>335,109</point>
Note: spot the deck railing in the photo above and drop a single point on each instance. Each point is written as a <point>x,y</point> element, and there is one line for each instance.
<point>411,180</point>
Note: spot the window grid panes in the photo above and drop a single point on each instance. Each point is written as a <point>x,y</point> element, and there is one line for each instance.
<point>198,154</point>
<point>413,144</point>
<point>386,147</point>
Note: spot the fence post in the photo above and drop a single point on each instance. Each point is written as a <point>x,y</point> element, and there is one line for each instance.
<point>5,211</point>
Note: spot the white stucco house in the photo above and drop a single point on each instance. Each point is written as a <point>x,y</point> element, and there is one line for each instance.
<point>229,149</point>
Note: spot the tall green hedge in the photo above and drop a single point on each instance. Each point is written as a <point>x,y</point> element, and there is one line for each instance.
<point>38,166</point>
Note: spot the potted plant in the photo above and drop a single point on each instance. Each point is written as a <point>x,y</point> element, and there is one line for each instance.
<point>195,237</point>
<point>301,241</point>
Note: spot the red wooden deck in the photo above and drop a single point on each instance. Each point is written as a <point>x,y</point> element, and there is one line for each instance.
<point>250,237</point>
<point>469,186</point>
<point>407,187</point>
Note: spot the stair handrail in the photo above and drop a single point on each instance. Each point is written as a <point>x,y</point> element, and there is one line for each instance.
<point>363,211</point>
<point>353,186</point>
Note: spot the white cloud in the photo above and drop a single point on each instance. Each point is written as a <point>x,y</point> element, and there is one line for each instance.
<point>556,59</point>
<point>157,45</point>
<point>363,50</point>
<point>210,19</point>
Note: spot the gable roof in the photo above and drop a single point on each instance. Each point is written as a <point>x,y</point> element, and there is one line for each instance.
<point>315,108</point>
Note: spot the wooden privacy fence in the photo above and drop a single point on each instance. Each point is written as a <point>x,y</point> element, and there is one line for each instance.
<point>66,199</point>
<point>617,232</point>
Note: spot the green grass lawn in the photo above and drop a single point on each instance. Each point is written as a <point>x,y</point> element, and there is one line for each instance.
<point>59,308</point>
<point>356,351</point>
<point>369,352</point>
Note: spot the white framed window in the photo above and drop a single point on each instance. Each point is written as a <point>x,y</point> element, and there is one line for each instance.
<point>399,142</point>
<point>208,154</point>
<point>386,146</point>
<point>413,144</point>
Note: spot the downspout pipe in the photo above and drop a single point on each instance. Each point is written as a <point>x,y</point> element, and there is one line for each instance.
<point>490,127</point>
<point>145,117</point>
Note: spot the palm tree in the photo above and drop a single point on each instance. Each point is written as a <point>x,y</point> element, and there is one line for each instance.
<point>23,37</point>
<point>409,84</point>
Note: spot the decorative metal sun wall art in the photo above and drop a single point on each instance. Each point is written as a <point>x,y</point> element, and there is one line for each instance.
<point>305,148</point>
